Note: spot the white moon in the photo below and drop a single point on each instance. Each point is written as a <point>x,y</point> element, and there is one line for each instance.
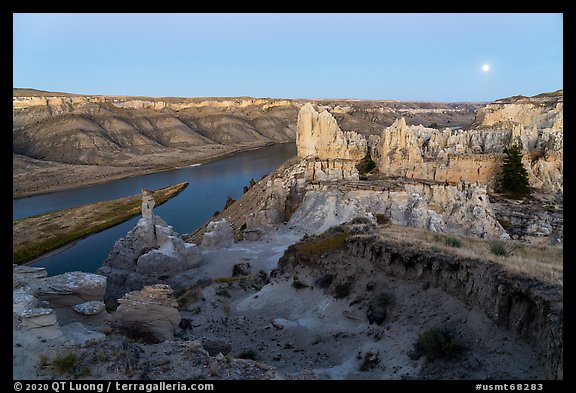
<point>486,67</point>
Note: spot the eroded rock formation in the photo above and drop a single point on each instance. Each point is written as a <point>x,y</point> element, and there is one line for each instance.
<point>218,234</point>
<point>151,252</point>
<point>534,124</point>
<point>150,310</point>
<point>436,207</point>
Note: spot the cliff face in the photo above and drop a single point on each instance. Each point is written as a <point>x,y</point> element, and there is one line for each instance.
<point>101,129</point>
<point>318,136</point>
<point>535,125</point>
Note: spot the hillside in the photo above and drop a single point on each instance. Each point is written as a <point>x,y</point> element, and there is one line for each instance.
<point>63,140</point>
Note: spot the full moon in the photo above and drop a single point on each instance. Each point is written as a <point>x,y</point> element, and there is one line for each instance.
<point>486,67</point>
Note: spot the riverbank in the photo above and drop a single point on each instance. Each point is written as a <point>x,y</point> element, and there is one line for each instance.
<point>36,177</point>
<point>38,235</point>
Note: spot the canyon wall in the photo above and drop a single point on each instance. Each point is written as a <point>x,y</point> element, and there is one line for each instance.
<point>474,156</point>
<point>451,155</point>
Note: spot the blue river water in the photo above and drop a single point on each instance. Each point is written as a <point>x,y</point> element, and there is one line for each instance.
<point>209,186</point>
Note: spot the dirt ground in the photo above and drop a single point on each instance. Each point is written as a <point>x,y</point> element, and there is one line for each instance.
<point>295,333</point>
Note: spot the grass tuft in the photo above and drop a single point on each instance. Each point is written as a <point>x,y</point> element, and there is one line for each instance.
<point>65,363</point>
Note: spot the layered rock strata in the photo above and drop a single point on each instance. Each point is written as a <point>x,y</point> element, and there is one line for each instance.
<point>150,310</point>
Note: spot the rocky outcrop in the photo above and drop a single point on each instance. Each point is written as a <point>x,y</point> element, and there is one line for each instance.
<point>46,306</point>
<point>331,170</point>
<point>318,136</point>
<point>436,207</point>
<point>152,309</point>
<point>147,204</point>
<point>530,309</point>
<point>534,124</point>
<point>219,234</point>
<point>72,288</point>
<point>150,253</point>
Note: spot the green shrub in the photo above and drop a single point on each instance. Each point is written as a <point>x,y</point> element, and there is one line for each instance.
<point>439,342</point>
<point>450,241</point>
<point>513,176</point>
<point>65,363</point>
<point>499,248</point>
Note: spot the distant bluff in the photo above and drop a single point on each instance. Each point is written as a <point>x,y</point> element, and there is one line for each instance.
<point>452,155</point>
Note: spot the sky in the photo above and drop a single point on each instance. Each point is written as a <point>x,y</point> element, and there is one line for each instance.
<point>417,57</point>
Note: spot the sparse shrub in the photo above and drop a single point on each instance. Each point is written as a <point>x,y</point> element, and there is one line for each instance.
<point>438,342</point>
<point>499,248</point>
<point>296,283</point>
<point>434,125</point>
<point>140,334</point>
<point>331,240</point>
<point>229,201</point>
<point>365,165</point>
<point>43,361</point>
<point>85,372</point>
<point>378,308</point>
<point>371,360</point>
<point>360,220</point>
<point>248,354</point>
<point>382,219</point>
<point>324,281</point>
<point>384,299</point>
<point>450,241</point>
<point>215,213</point>
<point>223,292</point>
<point>342,290</point>
<point>65,363</point>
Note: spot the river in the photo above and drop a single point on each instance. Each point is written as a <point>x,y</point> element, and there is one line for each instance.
<point>209,186</point>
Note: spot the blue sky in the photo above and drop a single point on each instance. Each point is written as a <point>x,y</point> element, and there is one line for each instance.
<point>422,57</point>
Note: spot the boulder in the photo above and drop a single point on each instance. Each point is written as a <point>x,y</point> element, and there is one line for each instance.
<point>151,309</point>
<point>214,347</point>
<point>218,234</point>
<point>72,288</point>
<point>90,308</point>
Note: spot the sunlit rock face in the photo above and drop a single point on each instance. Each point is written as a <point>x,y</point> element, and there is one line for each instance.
<point>474,156</point>
<point>319,136</point>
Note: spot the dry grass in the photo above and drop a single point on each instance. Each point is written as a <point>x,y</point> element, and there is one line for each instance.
<point>541,262</point>
<point>37,235</point>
